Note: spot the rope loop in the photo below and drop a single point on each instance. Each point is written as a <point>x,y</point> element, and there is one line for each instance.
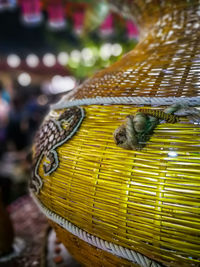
<point>137,129</point>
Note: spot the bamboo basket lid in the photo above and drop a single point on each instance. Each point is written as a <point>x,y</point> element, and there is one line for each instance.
<point>140,205</point>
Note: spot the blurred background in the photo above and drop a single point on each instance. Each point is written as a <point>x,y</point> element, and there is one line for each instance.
<point>47,48</point>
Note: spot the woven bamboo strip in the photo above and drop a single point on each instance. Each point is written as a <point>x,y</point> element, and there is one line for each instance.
<point>143,200</point>
<point>148,200</point>
<point>165,62</point>
<point>80,249</point>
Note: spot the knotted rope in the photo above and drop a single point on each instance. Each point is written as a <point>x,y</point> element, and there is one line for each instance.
<point>137,130</point>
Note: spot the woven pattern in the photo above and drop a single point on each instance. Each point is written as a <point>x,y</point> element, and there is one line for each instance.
<point>145,200</point>
<point>53,133</point>
<point>166,60</point>
<point>98,243</point>
<point>80,250</point>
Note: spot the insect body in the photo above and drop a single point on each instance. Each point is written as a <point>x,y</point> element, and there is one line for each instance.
<point>160,115</point>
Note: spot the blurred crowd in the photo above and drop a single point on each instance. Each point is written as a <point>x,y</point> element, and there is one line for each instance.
<point>20,116</point>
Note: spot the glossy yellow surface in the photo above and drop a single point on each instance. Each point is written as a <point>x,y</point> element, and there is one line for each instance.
<point>86,254</point>
<point>145,200</point>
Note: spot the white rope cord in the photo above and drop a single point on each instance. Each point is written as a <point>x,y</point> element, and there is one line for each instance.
<point>150,101</point>
<point>96,241</point>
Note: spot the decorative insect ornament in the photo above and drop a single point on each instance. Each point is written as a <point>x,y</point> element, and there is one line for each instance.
<point>116,163</point>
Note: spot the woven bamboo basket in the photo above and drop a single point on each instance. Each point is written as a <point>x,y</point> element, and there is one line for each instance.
<point>113,206</point>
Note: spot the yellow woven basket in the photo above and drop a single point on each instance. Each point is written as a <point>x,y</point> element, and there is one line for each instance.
<point>116,207</point>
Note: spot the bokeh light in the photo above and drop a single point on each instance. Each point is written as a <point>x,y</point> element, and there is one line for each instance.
<point>75,56</point>
<point>60,84</point>
<point>106,51</point>
<point>32,60</point>
<point>63,58</point>
<point>49,60</point>
<point>116,50</point>
<point>13,61</point>
<point>24,79</point>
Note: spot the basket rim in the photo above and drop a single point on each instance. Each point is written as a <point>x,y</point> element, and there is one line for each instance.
<point>150,101</point>
<point>110,247</point>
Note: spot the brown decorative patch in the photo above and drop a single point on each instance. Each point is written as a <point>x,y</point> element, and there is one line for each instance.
<point>51,135</point>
